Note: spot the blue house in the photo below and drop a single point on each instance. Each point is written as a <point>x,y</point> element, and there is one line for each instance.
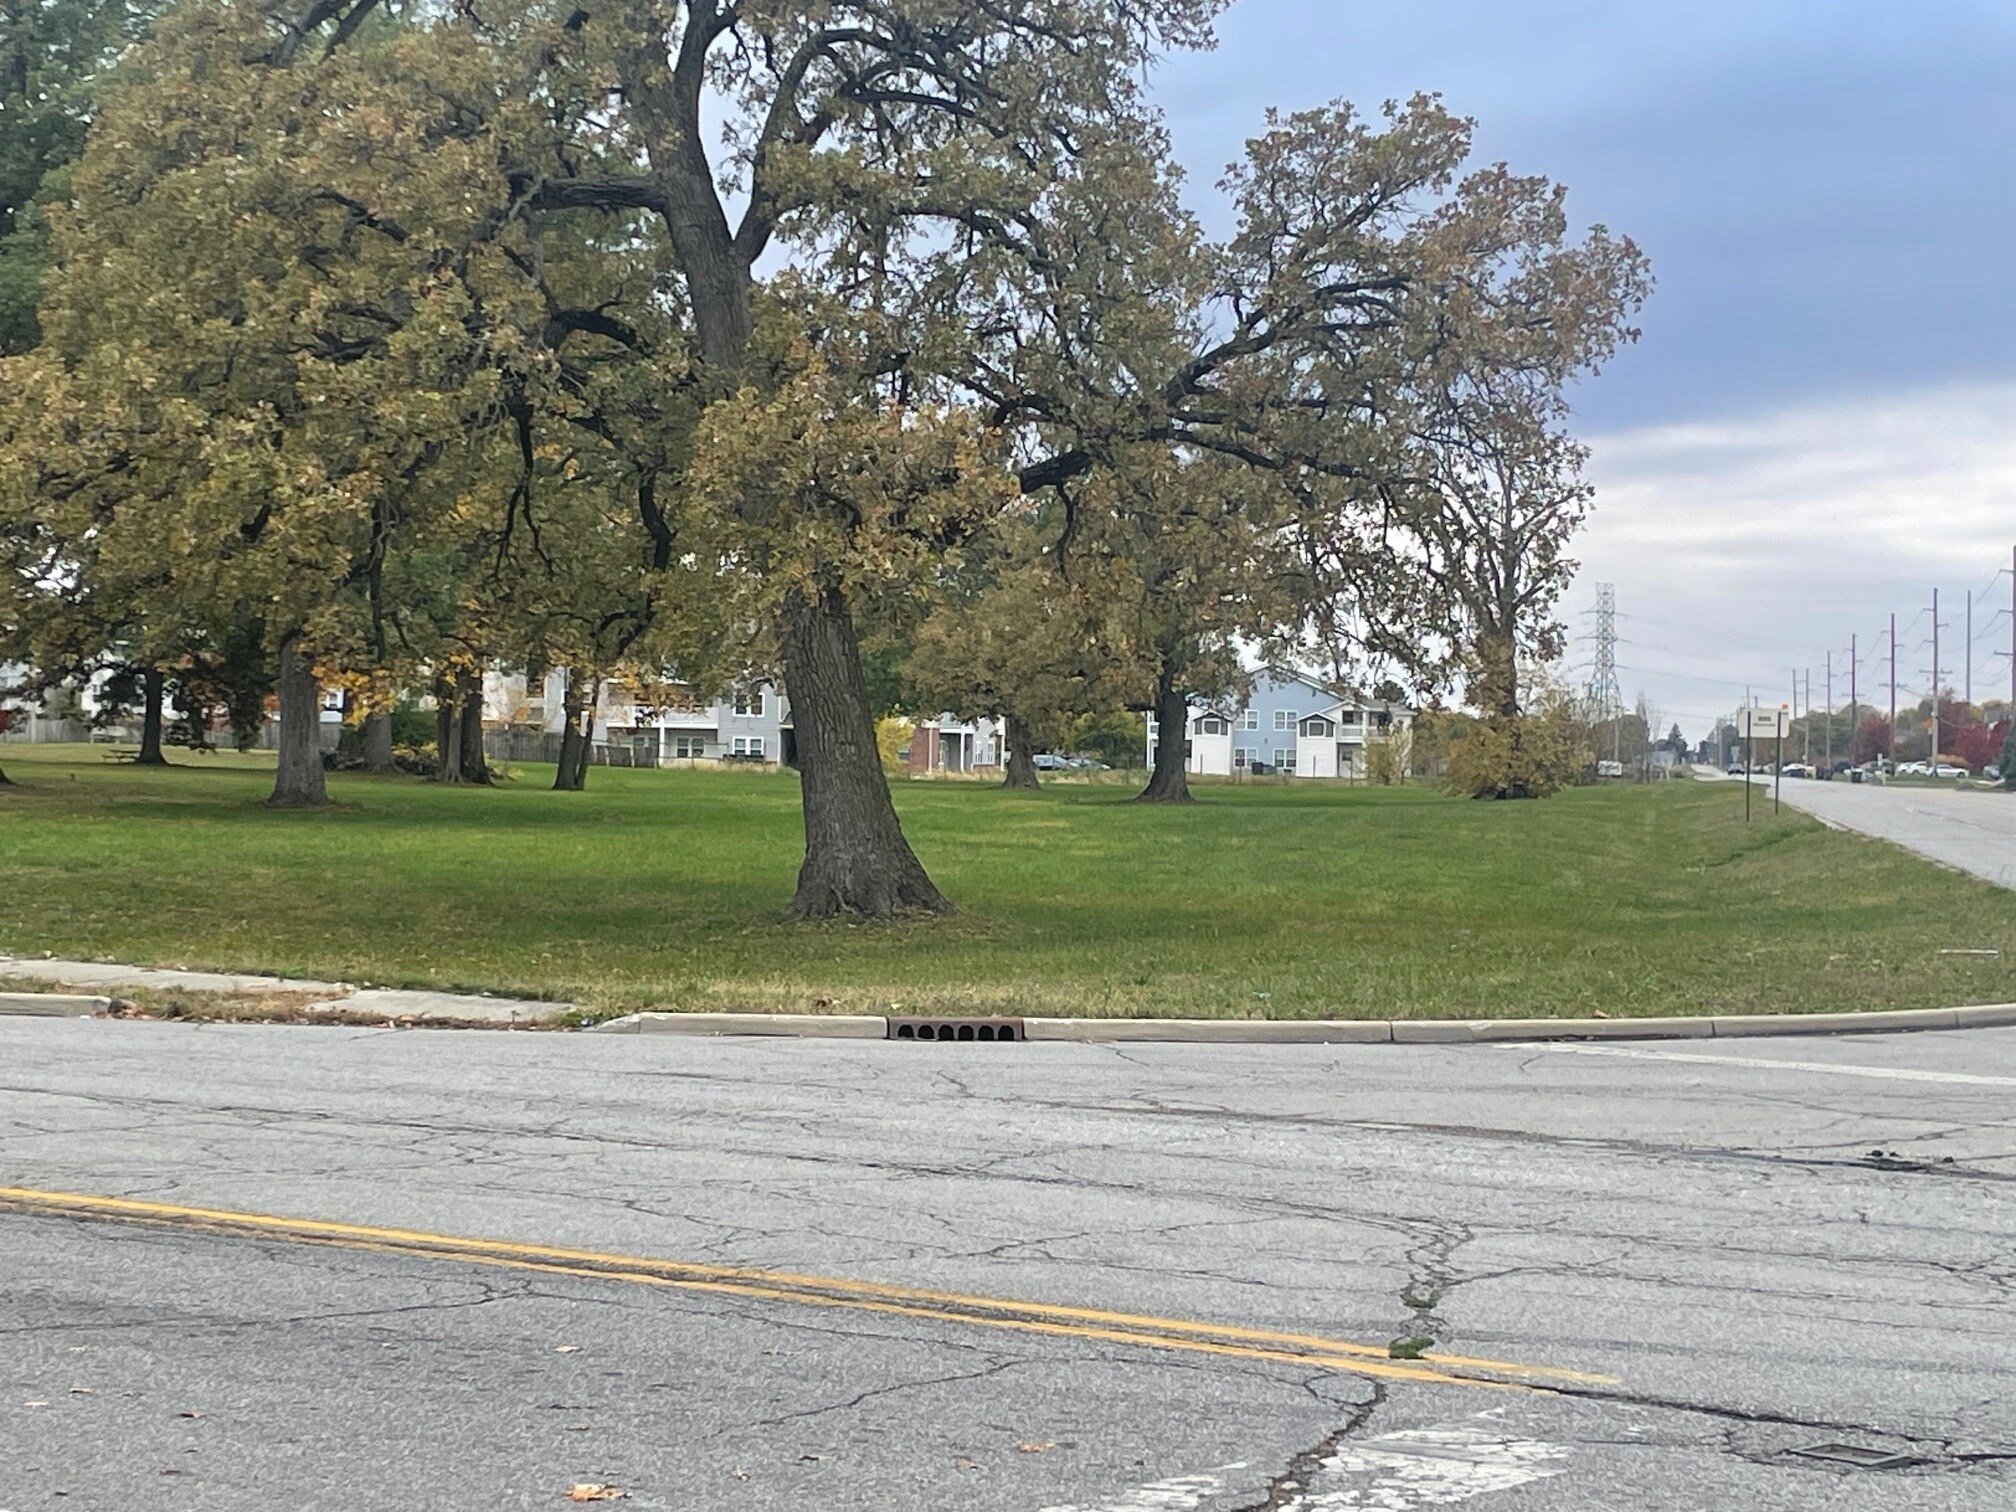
<point>1290,724</point>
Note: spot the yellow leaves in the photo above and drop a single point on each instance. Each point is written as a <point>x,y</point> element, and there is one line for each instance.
<point>595,1491</point>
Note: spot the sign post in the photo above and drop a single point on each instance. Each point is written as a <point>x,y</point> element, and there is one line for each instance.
<point>1755,725</point>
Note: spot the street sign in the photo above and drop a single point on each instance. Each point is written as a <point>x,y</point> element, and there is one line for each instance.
<point>1760,724</point>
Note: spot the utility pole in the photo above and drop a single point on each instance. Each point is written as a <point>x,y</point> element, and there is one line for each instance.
<point>1807,744</point>
<point>1891,753</point>
<point>1827,754</point>
<point>1967,680</point>
<point>1935,676</point>
<point>1854,667</point>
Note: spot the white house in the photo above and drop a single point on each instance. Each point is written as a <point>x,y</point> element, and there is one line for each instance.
<point>951,744</point>
<point>1290,724</point>
<point>666,720</point>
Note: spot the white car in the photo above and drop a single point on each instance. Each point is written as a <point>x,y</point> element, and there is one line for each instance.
<point>1798,769</point>
<point>1914,769</point>
<point>1944,769</point>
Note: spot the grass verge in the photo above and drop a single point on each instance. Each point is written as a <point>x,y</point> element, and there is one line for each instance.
<point>665,889</point>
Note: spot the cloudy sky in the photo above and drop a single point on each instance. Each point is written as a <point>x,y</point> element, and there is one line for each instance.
<point>1819,425</point>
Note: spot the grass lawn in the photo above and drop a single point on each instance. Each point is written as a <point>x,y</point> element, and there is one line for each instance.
<point>665,889</point>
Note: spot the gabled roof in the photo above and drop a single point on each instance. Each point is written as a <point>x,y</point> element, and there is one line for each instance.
<point>1339,695</point>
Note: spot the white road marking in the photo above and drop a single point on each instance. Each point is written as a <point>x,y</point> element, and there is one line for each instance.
<point>1427,1467</point>
<point>1180,1494</point>
<point>1755,1063</point>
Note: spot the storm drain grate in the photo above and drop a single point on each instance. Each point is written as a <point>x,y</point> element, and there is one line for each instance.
<point>1853,1456</point>
<point>956,1029</point>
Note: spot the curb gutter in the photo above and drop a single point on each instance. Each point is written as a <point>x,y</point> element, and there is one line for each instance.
<point>1337,1031</point>
<point>463,1009</point>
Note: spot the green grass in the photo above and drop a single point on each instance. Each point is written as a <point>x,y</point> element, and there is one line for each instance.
<point>666,889</point>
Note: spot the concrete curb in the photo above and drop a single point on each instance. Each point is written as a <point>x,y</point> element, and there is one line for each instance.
<point>1339,1031</point>
<point>464,1009</point>
<point>51,1005</point>
<point>768,1025</point>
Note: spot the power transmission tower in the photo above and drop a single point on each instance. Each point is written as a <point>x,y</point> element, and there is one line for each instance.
<point>1604,692</point>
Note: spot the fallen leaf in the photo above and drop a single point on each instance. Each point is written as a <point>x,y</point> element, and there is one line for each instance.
<point>739,1474</point>
<point>190,1414</point>
<point>963,1463</point>
<point>575,1428</point>
<point>1030,1446</point>
<point>83,1391</point>
<point>566,1349</point>
<point>34,1404</point>
<point>587,1491</point>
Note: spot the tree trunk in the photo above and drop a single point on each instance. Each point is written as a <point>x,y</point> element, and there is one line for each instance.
<point>298,783</point>
<point>567,776</point>
<point>5,780</point>
<point>447,734</point>
<point>856,859</point>
<point>584,754</point>
<point>152,686</point>
<point>1169,782</point>
<point>378,744</point>
<point>475,767</point>
<point>1021,757</point>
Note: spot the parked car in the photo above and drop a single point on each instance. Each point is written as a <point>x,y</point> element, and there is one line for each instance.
<point>1734,769</point>
<point>1797,769</point>
<point>1946,769</point>
<point>1914,769</point>
<point>1050,761</point>
<point>1087,764</point>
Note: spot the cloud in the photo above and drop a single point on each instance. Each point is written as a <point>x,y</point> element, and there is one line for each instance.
<point>1744,548</point>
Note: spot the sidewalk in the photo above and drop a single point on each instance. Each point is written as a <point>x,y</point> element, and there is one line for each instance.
<point>331,998</point>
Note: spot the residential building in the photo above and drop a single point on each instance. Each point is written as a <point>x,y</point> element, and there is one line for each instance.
<point>666,722</point>
<point>1290,724</point>
<point>949,744</point>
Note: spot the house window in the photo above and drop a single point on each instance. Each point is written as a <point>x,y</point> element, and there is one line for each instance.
<point>1350,717</point>
<point>1382,720</point>
<point>1210,725</point>
<point>749,704</point>
<point>1249,719</point>
<point>1242,757</point>
<point>689,747</point>
<point>747,745</point>
<point>1318,728</point>
<point>1284,720</point>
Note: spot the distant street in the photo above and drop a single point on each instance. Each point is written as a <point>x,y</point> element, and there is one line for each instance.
<point>747,1275</point>
<point>1969,830</point>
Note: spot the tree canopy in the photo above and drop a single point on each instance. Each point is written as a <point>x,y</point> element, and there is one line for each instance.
<point>690,333</point>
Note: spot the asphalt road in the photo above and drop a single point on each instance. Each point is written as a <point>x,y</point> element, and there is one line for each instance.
<point>1687,1260</point>
<point>1967,829</point>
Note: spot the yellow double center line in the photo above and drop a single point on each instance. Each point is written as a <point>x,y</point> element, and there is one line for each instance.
<point>1137,1329</point>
